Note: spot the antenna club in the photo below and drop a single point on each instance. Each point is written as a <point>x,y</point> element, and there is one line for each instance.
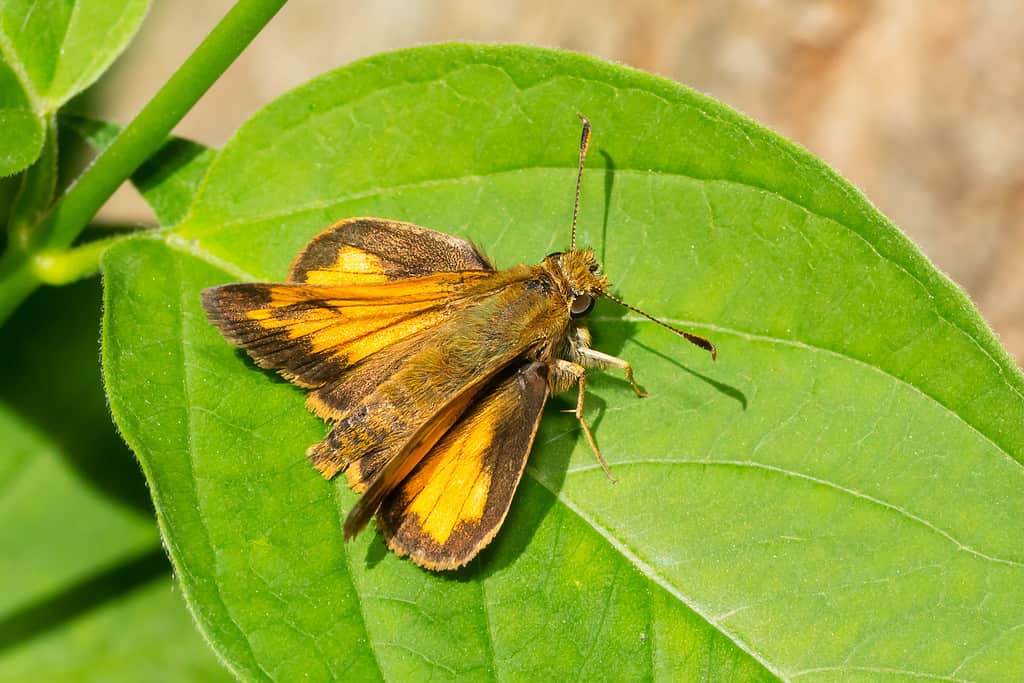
<point>584,144</point>
<point>585,136</point>
<point>694,339</point>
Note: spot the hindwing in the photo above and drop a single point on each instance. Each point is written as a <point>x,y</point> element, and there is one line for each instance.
<point>367,250</point>
<point>454,501</point>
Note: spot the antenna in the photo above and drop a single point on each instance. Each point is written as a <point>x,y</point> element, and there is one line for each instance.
<point>584,144</point>
<point>692,338</point>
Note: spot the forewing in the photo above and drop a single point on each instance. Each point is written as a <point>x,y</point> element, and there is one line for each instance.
<point>368,250</point>
<point>454,501</point>
<point>358,287</point>
<point>313,333</point>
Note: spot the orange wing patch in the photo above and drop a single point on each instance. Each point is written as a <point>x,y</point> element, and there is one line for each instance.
<point>454,501</point>
<point>351,265</point>
<point>460,469</point>
<point>334,321</point>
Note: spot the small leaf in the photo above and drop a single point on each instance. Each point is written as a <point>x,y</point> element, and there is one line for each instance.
<point>23,128</point>
<point>168,180</point>
<point>36,187</point>
<point>60,48</point>
<point>49,52</point>
<point>839,496</point>
<point>86,583</point>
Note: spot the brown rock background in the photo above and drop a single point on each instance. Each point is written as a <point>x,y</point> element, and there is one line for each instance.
<point>919,102</point>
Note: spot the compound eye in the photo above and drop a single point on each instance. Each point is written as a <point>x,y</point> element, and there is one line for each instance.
<point>581,305</point>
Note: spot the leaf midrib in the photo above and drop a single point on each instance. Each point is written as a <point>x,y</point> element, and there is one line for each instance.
<point>192,247</point>
<point>892,507</point>
<point>9,55</point>
<point>649,571</point>
<point>703,181</point>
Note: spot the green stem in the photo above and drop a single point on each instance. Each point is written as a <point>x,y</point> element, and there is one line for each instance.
<point>68,265</point>
<point>136,143</point>
<point>143,136</point>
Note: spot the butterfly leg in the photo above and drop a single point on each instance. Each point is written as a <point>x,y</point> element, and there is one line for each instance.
<point>563,375</point>
<point>579,349</point>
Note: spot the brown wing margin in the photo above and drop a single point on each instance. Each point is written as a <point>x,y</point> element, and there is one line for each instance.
<point>455,500</point>
<point>367,250</point>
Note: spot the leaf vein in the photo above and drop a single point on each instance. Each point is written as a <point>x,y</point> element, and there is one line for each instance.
<point>880,670</point>
<point>822,482</point>
<point>721,329</point>
<point>649,571</point>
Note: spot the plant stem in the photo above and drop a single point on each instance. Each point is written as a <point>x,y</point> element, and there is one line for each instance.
<point>136,143</point>
<point>143,136</point>
<point>69,265</point>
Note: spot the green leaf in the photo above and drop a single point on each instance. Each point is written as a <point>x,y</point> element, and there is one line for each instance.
<point>168,180</point>
<point>838,498</point>
<point>58,49</point>
<point>144,634</point>
<point>86,585</point>
<point>24,130</point>
<point>49,52</point>
<point>36,187</point>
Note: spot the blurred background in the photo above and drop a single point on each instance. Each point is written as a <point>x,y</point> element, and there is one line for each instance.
<point>919,103</point>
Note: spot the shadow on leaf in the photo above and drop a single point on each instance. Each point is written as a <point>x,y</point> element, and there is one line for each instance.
<point>77,599</point>
<point>48,355</point>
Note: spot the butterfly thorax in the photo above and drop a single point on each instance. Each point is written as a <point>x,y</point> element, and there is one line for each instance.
<point>571,282</point>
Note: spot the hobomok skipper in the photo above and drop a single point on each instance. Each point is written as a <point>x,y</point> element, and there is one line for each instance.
<point>432,365</point>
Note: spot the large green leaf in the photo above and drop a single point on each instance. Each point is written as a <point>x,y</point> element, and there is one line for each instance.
<point>49,52</point>
<point>87,592</point>
<point>839,497</point>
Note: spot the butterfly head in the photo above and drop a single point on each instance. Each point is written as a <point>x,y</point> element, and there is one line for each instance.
<point>581,274</point>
